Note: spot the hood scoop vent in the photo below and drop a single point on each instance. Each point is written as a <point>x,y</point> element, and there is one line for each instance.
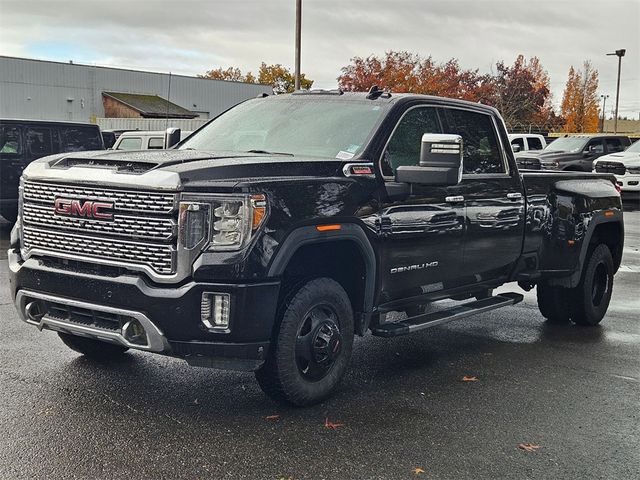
<point>117,165</point>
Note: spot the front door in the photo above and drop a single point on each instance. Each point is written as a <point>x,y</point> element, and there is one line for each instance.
<point>421,237</point>
<point>492,194</point>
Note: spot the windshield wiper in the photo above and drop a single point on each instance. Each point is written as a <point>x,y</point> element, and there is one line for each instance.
<point>269,153</point>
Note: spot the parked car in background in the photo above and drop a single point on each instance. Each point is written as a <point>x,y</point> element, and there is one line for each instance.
<point>109,137</point>
<point>525,142</point>
<point>144,140</point>
<point>573,152</point>
<point>626,167</point>
<point>23,141</point>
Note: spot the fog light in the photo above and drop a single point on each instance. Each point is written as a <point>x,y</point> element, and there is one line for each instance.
<point>214,311</point>
<point>133,332</point>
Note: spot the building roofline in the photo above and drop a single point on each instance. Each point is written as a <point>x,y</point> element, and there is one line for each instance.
<point>35,120</point>
<point>107,67</point>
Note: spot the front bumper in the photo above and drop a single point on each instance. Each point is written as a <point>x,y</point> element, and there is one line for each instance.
<point>170,315</point>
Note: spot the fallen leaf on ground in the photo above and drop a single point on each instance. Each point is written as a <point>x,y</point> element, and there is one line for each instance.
<point>331,425</point>
<point>528,447</point>
<point>272,417</point>
<point>468,378</point>
<point>418,470</point>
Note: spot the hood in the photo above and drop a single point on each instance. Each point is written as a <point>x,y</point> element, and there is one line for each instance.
<point>174,169</point>
<point>629,159</point>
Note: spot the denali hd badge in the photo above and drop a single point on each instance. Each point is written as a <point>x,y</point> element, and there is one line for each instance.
<point>410,268</point>
<point>88,209</point>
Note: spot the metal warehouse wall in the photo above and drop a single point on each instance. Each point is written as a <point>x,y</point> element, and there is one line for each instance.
<point>36,89</point>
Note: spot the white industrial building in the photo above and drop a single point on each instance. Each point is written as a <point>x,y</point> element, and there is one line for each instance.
<point>45,90</point>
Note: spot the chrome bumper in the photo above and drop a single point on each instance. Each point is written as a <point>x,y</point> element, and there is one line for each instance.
<point>27,301</point>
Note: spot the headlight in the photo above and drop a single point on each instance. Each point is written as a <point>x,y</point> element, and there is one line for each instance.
<point>225,222</point>
<point>634,170</point>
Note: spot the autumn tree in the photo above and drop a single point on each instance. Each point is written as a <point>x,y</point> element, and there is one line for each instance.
<point>281,78</point>
<point>407,72</point>
<point>278,76</point>
<point>580,100</point>
<point>522,92</point>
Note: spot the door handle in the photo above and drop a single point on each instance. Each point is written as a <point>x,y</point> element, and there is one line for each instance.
<point>514,196</point>
<point>454,199</point>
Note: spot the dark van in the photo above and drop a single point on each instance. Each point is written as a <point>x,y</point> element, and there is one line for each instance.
<point>23,141</point>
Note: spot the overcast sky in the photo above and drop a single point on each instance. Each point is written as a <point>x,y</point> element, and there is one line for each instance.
<point>192,36</point>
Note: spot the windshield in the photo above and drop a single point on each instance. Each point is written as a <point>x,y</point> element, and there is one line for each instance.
<point>296,126</point>
<point>567,144</point>
<point>635,147</point>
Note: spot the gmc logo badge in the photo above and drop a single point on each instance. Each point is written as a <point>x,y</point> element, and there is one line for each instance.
<point>88,209</point>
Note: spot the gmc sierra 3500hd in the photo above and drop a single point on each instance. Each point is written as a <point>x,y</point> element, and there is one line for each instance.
<point>290,223</point>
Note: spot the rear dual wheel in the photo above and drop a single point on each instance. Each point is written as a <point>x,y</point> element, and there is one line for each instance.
<point>313,345</point>
<point>587,303</point>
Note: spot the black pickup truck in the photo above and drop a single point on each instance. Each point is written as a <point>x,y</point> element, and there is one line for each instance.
<point>290,223</point>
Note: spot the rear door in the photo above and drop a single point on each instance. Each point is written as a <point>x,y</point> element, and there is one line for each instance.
<point>493,196</point>
<point>38,141</point>
<point>613,145</point>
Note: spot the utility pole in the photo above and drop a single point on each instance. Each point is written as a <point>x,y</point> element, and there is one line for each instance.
<point>619,53</point>
<point>298,31</point>
<point>604,106</point>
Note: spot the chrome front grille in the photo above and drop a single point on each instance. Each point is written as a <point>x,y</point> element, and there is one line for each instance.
<point>126,200</point>
<point>122,225</point>
<point>141,236</point>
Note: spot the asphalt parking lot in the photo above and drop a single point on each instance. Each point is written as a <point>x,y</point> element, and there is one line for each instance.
<point>402,412</point>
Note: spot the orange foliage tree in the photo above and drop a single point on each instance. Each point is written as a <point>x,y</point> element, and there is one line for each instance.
<point>408,72</point>
<point>279,77</point>
<point>520,91</point>
<point>580,100</point>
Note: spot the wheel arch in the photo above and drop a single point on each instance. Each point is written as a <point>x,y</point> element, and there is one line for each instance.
<point>305,242</point>
<point>607,230</point>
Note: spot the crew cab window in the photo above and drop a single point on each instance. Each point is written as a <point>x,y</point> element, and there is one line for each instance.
<point>519,142</point>
<point>10,140</point>
<point>156,143</point>
<point>132,143</point>
<point>78,139</point>
<point>481,153</point>
<point>404,145</point>
<point>595,146</point>
<point>39,142</point>
<point>614,145</point>
<point>534,143</point>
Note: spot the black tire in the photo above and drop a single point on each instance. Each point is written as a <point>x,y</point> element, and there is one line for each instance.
<point>592,295</point>
<point>93,349</point>
<point>554,303</point>
<point>312,347</point>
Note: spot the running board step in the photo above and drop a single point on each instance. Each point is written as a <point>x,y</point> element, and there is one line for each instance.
<point>420,322</point>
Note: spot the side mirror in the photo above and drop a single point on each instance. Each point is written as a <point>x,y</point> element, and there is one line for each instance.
<point>515,148</point>
<point>440,162</point>
<point>171,137</point>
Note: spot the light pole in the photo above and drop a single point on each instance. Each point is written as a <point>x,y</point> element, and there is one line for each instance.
<point>619,53</point>
<point>298,31</point>
<point>604,106</point>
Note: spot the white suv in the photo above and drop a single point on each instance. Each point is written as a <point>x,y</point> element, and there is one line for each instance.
<point>625,166</point>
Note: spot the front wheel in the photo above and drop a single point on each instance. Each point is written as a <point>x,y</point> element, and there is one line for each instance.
<point>313,345</point>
